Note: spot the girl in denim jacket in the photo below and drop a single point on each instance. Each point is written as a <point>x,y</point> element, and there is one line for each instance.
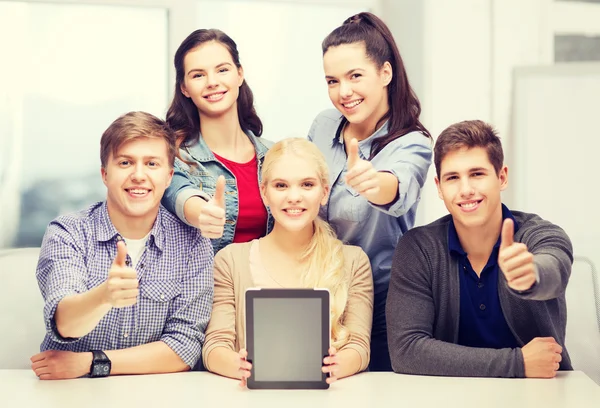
<point>215,185</point>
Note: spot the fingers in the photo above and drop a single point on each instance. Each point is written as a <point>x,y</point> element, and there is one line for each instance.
<point>219,197</point>
<point>555,348</point>
<point>38,365</point>
<point>515,256</point>
<point>508,231</point>
<point>364,178</point>
<point>38,357</point>
<point>352,152</point>
<point>122,278</point>
<point>211,220</point>
<point>521,283</point>
<point>43,370</point>
<point>331,366</point>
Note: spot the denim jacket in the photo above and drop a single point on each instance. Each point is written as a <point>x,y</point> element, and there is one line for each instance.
<point>200,180</point>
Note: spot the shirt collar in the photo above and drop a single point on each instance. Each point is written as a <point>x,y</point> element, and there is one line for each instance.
<point>364,145</point>
<point>107,231</point>
<point>454,243</point>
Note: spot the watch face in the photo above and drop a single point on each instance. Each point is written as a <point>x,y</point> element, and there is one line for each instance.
<point>101,369</point>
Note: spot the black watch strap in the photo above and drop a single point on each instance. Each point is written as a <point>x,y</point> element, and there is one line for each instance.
<point>101,364</point>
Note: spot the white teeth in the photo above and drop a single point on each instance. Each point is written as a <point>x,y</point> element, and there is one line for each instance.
<point>136,191</point>
<point>353,104</point>
<point>214,96</point>
<point>469,205</point>
<point>294,211</point>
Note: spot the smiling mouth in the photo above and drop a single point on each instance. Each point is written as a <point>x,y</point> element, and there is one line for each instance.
<point>215,96</point>
<point>138,192</point>
<point>352,104</point>
<point>470,205</point>
<point>294,211</point>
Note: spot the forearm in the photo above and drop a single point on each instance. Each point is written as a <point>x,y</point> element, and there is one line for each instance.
<point>192,208</point>
<point>427,356</point>
<point>553,277</point>
<point>349,362</point>
<point>224,361</point>
<point>388,189</point>
<point>77,315</point>
<point>151,358</point>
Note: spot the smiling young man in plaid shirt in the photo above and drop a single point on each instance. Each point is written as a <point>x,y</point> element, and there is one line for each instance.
<point>127,287</point>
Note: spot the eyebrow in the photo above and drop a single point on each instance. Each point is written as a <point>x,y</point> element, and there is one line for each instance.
<point>347,73</point>
<point>131,158</point>
<point>201,69</point>
<point>286,181</point>
<point>471,170</point>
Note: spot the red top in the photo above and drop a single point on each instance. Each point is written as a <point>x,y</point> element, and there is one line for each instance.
<point>252,215</point>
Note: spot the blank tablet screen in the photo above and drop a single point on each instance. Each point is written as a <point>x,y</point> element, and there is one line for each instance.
<point>287,339</point>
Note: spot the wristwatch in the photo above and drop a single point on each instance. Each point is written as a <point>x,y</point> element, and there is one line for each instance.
<point>100,364</point>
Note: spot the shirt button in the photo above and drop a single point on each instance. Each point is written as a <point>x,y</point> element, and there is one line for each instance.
<point>142,266</point>
<point>482,307</point>
<point>480,285</point>
<point>162,297</point>
<point>126,335</point>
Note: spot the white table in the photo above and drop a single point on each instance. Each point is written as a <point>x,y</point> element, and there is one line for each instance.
<point>22,389</point>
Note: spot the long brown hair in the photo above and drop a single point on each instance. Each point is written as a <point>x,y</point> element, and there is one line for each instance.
<point>405,108</point>
<point>182,115</point>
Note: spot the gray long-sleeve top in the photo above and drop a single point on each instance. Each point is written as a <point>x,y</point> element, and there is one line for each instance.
<point>424,301</point>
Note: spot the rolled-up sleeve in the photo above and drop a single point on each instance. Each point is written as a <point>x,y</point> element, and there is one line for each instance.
<point>60,272</point>
<point>181,189</point>
<point>408,158</point>
<point>185,328</point>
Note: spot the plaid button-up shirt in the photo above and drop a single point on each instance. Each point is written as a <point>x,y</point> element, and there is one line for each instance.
<point>175,281</point>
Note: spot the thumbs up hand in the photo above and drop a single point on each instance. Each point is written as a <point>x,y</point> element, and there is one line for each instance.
<point>361,175</point>
<point>514,260</point>
<point>212,214</point>
<point>122,283</point>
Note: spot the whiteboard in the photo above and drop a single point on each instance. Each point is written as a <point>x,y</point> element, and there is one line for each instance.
<point>555,150</point>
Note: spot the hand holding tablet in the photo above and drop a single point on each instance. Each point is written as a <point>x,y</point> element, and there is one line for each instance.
<point>245,367</point>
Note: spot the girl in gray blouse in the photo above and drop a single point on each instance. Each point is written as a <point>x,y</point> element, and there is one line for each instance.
<point>377,150</point>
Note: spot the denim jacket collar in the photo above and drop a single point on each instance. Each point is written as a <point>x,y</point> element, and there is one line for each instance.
<point>201,152</point>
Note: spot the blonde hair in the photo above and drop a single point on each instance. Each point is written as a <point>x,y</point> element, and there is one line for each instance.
<point>324,256</point>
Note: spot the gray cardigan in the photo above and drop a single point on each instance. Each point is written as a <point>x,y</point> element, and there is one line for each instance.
<point>424,301</point>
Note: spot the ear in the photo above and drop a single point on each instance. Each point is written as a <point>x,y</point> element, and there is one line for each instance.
<point>103,173</point>
<point>503,176</point>
<point>170,176</point>
<point>325,198</point>
<point>184,91</point>
<point>439,189</point>
<point>386,73</point>
<point>241,76</point>
<point>263,194</point>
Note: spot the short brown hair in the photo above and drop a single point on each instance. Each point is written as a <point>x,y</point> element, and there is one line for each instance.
<point>469,134</point>
<point>132,126</point>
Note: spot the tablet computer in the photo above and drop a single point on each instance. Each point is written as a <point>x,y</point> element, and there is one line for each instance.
<point>287,337</point>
